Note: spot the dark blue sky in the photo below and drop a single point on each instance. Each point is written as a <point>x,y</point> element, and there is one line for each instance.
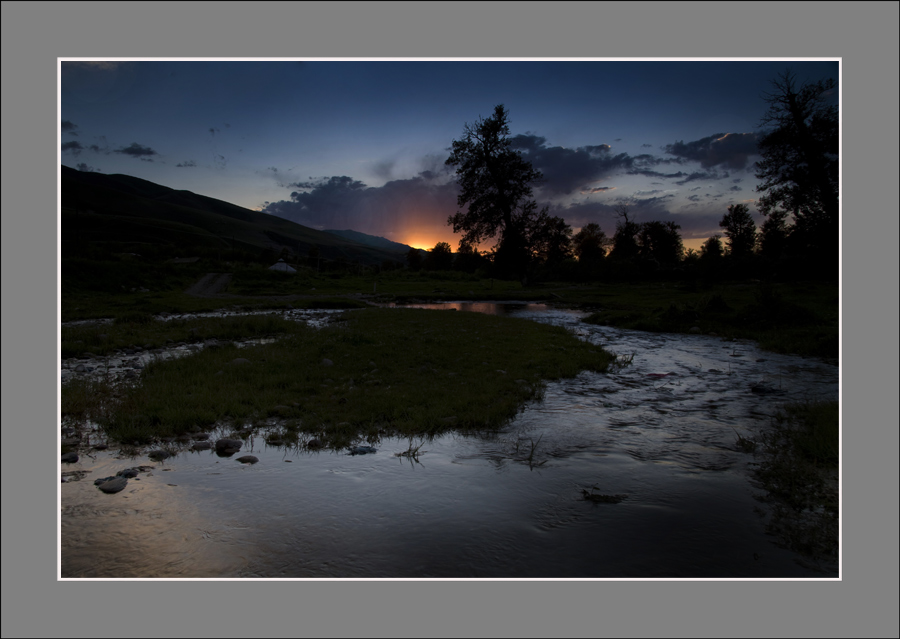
<point>361,144</point>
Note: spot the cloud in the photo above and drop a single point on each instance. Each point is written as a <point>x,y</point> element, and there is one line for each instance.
<point>135,150</point>
<point>568,170</point>
<point>85,168</point>
<point>646,146</point>
<point>599,189</point>
<point>186,164</point>
<point>383,169</point>
<point>343,202</point>
<point>735,188</point>
<point>214,130</point>
<point>699,175</point>
<point>731,150</point>
<point>74,147</point>
<point>66,126</point>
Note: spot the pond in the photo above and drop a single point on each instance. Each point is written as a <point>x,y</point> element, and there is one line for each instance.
<point>655,438</point>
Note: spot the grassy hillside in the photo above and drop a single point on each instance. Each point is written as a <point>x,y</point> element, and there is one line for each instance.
<point>124,210</point>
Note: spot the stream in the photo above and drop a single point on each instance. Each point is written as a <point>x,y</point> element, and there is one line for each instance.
<point>658,437</point>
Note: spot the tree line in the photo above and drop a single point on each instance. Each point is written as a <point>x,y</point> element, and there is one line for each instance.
<point>798,176</point>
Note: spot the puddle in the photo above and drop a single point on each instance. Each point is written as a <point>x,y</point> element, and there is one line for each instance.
<point>657,438</point>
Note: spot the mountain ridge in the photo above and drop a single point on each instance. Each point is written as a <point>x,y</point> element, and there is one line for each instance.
<point>123,209</point>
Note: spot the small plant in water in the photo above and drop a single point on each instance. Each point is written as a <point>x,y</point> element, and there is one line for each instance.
<point>623,361</point>
<point>413,451</point>
<point>744,444</point>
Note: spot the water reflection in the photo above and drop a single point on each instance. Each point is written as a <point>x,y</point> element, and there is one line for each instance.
<point>487,308</point>
<point>661,432</point>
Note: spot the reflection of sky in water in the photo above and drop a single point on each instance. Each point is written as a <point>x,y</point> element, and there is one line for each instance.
<point>477,506</point>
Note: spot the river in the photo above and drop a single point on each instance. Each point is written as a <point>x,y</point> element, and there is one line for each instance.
<point>659,435</point>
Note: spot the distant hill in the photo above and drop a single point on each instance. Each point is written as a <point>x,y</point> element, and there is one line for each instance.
<point>127,210</point>
<point>372,240</point>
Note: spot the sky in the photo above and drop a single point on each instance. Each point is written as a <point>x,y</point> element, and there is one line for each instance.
<point>361,144</point>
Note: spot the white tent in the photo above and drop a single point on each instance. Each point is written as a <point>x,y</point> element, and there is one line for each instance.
<point>280,265</point>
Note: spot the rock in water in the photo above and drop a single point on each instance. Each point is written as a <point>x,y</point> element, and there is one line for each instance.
<point>362,450</point>
<point>226,445</point>
<point>113,485</point>
<point>248,459</point>
<point>70,458</point>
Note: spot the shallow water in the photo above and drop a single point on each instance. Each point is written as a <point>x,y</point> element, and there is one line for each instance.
<point>661,432</point>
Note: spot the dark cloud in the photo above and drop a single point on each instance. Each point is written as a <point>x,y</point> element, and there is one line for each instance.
<point>213,131</point>
<point>74,147</point>
<point>696,188</point>
<point>186,164</point>
<point>731,150</point>
<point>735,188</point>
<point>136,150</point>
<point>69,127</point>
<point>383,169</point>
<point>599,189</point>
<point>737,180</point>
<point>85,168</point>
<point>694,198</point>
<point>701,221</point>
<point>343,202</point>
<point>646,146</point>
<point>699,175</point>
<point>568,170</point>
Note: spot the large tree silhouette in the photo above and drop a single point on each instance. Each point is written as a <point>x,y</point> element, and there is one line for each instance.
<point>740,229</point>
<point>495,184</point>
<point>799,166</point>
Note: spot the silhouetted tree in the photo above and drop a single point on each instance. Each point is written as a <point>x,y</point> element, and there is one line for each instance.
<point>625,244</point>
<point>590,244</point>
<point>549,238</point>
<point>740,231</point>
<point>440,258</point>
<point>468,259</point>
<point>712,250</point>
<point>414,259</point>
<point>660,242</point>
<point>773,235</point>
<point>799,166</point>
<point>496,186</point>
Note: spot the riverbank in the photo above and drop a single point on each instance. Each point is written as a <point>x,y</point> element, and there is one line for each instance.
<point>801,318</point>
<point>659,437</point>
<point>377,372</point>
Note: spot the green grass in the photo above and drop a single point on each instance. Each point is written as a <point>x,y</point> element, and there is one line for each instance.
<point>403,372</point>
<point>798,467</point>
<point>387,285</point>
<point>787,318</point>
<point>142,329</point>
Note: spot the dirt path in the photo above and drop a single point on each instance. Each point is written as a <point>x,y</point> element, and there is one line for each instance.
<point>210,285</point>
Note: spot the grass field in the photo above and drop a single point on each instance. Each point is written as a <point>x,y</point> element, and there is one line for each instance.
<point>381,372</point>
